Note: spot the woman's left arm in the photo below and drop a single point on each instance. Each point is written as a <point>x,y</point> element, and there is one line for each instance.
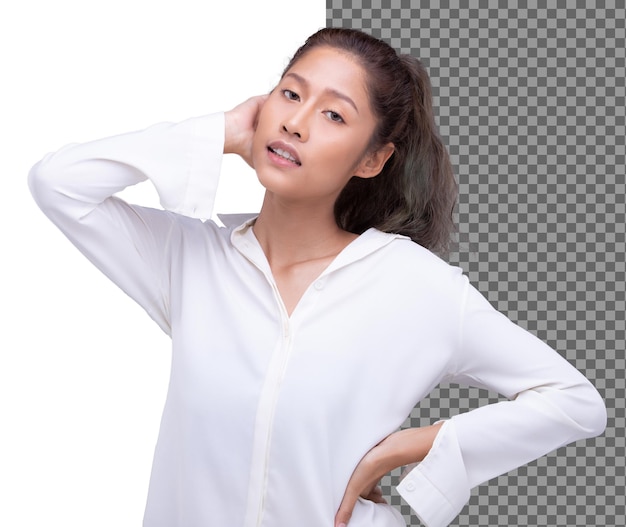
<point>550,404</point>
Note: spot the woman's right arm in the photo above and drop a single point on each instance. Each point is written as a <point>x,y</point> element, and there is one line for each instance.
<point>182,160</point>
<point>75,186</point>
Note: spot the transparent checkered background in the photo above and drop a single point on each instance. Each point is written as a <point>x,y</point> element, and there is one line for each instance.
<point>531,103</point>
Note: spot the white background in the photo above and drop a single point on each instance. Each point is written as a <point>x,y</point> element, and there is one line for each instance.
<point>83,370</point>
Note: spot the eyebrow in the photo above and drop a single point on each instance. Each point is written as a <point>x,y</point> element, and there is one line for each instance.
<point>330,91</point>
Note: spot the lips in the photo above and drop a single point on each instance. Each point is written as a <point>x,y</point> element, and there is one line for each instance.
<point>285,151</point>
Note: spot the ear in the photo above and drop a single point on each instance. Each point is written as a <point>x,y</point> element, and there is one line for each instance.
<point>372,164</point>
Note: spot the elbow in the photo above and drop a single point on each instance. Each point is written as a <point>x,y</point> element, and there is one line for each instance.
<point>40,182</point>
<point>593,418</point>
<point>587,409</point>
<point>48,182</point>
<point>578,406</point>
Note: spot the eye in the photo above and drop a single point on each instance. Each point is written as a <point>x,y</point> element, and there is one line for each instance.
<point>334,116</point>
<point>291,95</point>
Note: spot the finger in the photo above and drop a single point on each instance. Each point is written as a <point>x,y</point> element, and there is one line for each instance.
<point>260,101</point>
<point>345,510</point>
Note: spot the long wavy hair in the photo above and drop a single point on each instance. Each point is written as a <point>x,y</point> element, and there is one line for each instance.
<point>415,194</point>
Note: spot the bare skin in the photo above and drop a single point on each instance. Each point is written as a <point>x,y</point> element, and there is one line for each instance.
<point>296,226</point>
<point>304,241</point>
<point>326,137</point>
<point>329,135</point>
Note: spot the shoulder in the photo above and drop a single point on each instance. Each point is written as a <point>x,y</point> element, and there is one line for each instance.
<point>396,263</point>
<point>406,255</point>
<point>420,291</point>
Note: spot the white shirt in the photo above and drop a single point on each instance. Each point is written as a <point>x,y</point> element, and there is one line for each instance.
<point>267,415</point>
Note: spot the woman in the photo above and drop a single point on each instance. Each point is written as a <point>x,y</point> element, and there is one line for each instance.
<point>303,338</point>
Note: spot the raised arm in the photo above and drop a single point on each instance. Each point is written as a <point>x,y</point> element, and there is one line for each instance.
<point>75,186</point>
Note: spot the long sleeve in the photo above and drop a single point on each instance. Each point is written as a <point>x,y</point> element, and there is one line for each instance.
<point>550,404</point>
<point>75,188</point>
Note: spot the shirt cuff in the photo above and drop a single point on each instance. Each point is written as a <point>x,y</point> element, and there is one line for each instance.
<point>205,151</point>
<point>437,489</point>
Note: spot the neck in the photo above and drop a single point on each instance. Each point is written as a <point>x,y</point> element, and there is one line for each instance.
<point>292,232</point>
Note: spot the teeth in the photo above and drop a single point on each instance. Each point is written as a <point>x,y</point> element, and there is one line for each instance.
<point>285,154</point>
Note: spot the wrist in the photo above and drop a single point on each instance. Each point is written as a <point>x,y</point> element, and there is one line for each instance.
<point>405,447</point>
<point>229,132</point>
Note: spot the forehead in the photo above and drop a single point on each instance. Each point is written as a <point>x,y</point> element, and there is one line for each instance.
<point>330,68</point>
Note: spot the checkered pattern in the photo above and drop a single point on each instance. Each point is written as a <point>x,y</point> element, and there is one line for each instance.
<point>531,102</point>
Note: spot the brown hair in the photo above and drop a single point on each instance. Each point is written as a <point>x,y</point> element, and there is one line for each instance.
<point>416,192</point>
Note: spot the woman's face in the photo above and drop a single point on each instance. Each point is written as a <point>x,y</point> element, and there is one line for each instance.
<point>314,129</point>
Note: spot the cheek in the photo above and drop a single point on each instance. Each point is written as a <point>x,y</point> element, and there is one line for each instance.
<point>268,114</point>
<point>345,153</point>
<point>258,140</point>
<point>262,127</point>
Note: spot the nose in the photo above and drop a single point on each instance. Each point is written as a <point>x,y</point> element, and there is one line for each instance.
<point>288,130</point>
<point>296,123</point>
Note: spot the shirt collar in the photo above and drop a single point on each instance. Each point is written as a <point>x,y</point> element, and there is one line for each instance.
<point>243,239</point>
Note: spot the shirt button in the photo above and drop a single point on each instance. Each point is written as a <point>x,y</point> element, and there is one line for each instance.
<point>410,486</point>
<point>319,285</point>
